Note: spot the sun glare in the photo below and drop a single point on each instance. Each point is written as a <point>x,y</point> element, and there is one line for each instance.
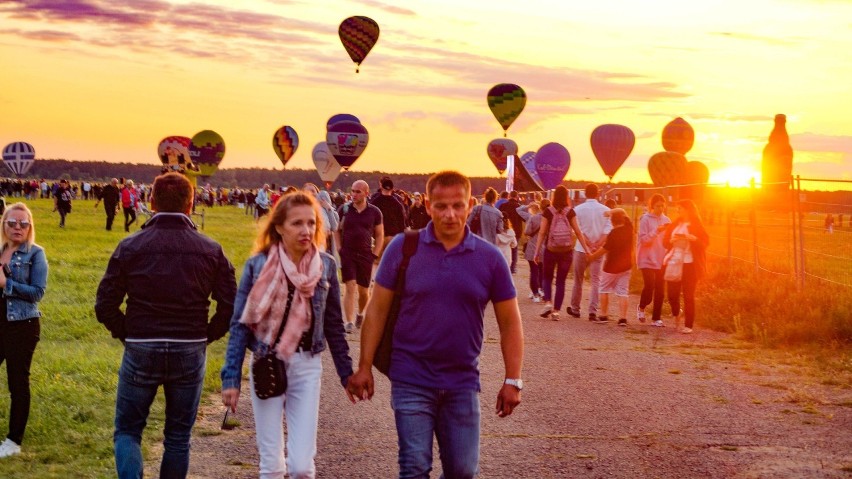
<point>735,176</point>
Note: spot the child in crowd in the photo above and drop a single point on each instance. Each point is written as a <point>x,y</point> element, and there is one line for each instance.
<point>615,274</point>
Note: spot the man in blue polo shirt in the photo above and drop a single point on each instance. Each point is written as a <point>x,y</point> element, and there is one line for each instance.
<point>434,369</point>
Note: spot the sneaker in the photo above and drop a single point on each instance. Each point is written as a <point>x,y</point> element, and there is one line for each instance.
<point>572,313</point>
<point>9,448</point>
<point>545,312</point>
<point>592,317</point>
<point>599,319</point>
<point>554,315</point>
<point>622,322</point>
<point>678,319</point>
<point>541,292</point>
<point>537,299</point>
<point>685,330</point>
<point>531,296</point>
<point>359,320</point>
<point>350,328</point>
<point>640,314</point>
<point>658,323</point>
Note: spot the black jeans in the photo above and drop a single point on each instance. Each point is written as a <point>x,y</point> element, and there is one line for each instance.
<point>18,341</point>
<point>110,214</point>
<point>686,284</point>
<point>129,217</point>
<point>653,289</point>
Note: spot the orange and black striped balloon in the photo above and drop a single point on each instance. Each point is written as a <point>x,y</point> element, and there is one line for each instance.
<point>358,35</point>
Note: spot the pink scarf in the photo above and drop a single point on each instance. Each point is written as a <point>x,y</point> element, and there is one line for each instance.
<point>267,299</point>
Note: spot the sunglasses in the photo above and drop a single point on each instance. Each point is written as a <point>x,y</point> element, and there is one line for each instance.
<point>24,224</point>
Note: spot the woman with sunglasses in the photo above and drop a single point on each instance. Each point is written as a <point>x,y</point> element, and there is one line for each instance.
<point>22,282</point>
<point>288,280</point>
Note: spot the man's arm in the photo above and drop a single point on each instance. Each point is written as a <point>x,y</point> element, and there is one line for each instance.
<point>376,316</point>
<point>224,292</point>
<point>512,346</point>
<point>379,238</point>
<point>110,295</point>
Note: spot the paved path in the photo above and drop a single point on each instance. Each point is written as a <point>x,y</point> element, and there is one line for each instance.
<point>600,401</point>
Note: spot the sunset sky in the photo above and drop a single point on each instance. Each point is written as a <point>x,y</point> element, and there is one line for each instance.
<point>108,79</point>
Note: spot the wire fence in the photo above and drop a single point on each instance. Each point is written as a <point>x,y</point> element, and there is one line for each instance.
<point>784,230</point>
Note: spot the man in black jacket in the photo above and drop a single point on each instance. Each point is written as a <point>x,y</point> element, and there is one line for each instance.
<point>110,198</point>
<point>509,208</point>
<point>393,211</point>
<point>168,272</point>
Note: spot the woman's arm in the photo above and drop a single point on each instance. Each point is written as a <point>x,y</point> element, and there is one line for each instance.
<point>542,238</point>
<point>239,334</point>
<point>34,290</point>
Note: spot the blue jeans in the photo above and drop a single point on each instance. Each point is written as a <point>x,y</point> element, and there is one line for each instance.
<point>581,262</point>
<point>450,415</point>
<point>561,262</point>
<point>179,368</point>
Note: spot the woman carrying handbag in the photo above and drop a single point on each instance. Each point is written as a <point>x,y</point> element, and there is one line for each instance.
<point>685,262</point>
<point>288,303</point>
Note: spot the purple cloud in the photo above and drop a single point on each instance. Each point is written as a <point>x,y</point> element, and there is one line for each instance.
<point>388,8</point>
<point>816,142</point>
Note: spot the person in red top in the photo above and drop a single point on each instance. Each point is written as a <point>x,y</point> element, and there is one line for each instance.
<point>615,274</point>
<point>129,203</point>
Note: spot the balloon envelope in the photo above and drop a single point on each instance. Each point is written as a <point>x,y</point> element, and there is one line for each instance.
<point>506,101</point>
<point>667,168</point>
<point>346,141</point>
<point>206,149</point>
<point>551,163</point>
<point>358,35</point>
<point>19,157</point>
<point>340,117</point>
<point>678,136</point>
<point>528,165</point>
<point>174,150</point>
<point>499,149</point>
<point>611,145</point>
<point>285,141</point>
<point>327,166</point>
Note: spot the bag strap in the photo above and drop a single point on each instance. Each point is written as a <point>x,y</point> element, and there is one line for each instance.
<point>291,288</point>
<point>409,248</point>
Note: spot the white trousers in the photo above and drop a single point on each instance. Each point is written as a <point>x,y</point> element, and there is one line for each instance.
<point>300,405</point>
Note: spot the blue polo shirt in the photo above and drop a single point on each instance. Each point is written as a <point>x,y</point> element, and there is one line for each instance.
<point>440,330</point>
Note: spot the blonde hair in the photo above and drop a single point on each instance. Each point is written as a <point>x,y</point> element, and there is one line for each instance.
<point>269,236</point>
<point>30,231</point>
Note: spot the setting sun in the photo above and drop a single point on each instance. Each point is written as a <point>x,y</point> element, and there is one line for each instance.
<point>736,176</point>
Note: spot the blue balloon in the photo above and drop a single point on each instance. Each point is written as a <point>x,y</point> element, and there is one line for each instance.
<point>551,163</point>
<point>338,118</point>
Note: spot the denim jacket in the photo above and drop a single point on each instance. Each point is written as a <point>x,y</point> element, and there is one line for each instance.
<point>25,287</point>
<point>327,318</point>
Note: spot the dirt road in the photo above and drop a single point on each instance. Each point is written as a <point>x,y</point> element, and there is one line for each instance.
<point>600,401</point>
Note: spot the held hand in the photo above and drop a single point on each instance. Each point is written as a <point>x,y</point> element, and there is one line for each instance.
<point>360,385</point>
<point>230,398</point>
<point>537,258</point>
<point>2,281</point>
<point>507,400</point>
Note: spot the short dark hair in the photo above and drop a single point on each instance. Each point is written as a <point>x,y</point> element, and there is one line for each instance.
<point>591,191</point>
<point>504,194</point>
<point>514,194</point>
<point>171,193</point>
<point>447,178</point>
<point>386,182</point>
<point>490,195</point>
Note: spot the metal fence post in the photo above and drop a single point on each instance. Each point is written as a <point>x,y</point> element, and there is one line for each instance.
<point>793,229</point>
<point>753,220</point>
<point>801,230</point>
<point>730,232</point>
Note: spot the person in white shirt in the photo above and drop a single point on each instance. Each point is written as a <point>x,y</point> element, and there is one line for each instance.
<point>594,226</point>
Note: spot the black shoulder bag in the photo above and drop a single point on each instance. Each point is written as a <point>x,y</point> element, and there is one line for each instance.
<point>383,353</point>
<point>476,222</point>
<point>268,372</point>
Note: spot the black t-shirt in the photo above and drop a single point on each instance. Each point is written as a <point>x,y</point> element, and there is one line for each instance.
<point>510,212</point>
<point>393,213</point>
<point>357,228</point>
<point>619,249</point>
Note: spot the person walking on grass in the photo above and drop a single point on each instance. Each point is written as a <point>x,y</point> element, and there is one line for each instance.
<point>110,196</point>
<point>23,282</point>
<point>686,241</point>
<point>62,201</point>
<point>168,272</point>
<point>438,338</point>
<point>595,227</point>
<point>615,277</point>
<point>555,249</point>
<point>649,259</point>
<point>129,204</point>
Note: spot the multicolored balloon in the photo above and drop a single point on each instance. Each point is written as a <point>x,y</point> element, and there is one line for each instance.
<point>327,167</point>
<point>528,164</point>
<point>667,168</point>
<point>340,117</point>
<point>358,35</point>
<point>285,141</point>
<point>506,101</point>
<point>611,145</point>
<point>206,149</point>
<point>174,151</point>
<point>678,136</point>
<point>19,157</point>
<point>346,141</point>
<point>499,149</point>
<point>551,164</point>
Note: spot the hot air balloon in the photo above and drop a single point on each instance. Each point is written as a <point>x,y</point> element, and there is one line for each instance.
<point>678,136</point>
<point>207,149</point>
<point>174,151</point>
<point>506,101</point>
<point>667,168</point>
<point>696,175</point>
<point>285,141</point>
<point>528,165</point>
<point>358,35</point>
<point>327,167</point>
<point>499,149</point>
<point>340,117</point>
<point>346,141</point>
<point>551,163</point>
<point>19,157</point>
<point>612,145</point>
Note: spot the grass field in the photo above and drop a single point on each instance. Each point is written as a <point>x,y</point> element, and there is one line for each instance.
<point>74,371</point>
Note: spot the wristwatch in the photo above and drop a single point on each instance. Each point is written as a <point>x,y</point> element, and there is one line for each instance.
<point>518,383</point>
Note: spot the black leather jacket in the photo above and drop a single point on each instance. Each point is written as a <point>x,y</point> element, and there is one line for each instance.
<point>168,272</point>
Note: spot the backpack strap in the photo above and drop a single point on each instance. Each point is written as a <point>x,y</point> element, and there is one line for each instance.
<point>409,248</point>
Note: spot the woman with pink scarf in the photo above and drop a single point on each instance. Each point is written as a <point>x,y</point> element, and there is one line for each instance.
<point>288,267</point>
